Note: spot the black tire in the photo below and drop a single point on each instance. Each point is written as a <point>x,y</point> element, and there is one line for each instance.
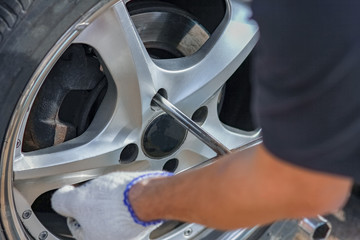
<point>28,30</point>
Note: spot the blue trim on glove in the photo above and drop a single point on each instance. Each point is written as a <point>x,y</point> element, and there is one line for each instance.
<point>127,202</point>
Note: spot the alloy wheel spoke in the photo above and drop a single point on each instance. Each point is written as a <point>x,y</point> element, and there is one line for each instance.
<point>232,138</point>
<point>194,151</point>
<point>51,168</point>
<point>49,162</point>
<point>125,62</point>
<point>190,81</point>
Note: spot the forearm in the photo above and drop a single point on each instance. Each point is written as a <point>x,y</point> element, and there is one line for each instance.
<point>239,190</point>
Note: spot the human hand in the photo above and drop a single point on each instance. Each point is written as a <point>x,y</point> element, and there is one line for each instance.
<point>100,208</point>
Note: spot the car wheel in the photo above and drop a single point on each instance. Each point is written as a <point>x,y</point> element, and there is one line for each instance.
<point>77,83</point>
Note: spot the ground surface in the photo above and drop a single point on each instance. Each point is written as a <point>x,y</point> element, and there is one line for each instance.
<point>345,225</point>
<point>346,222</point>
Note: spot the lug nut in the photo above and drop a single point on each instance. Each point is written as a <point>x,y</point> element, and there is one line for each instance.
<point>316,228</point>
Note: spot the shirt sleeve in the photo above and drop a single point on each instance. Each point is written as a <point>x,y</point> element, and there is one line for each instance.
<point>306,77</point>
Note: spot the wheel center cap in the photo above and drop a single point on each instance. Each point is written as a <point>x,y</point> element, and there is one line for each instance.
<point>163,137</point>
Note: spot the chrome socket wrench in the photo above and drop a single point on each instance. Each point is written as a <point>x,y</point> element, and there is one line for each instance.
<point>190,125</point>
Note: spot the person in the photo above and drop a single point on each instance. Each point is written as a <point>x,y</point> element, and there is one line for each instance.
<point>306,85</point>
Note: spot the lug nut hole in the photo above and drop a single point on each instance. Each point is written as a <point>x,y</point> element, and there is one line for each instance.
<point>200,115</point>
<point>171,165</point>
<point>129,153</point>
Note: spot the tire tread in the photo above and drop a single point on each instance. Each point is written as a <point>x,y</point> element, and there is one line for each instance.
<point>11,12</point>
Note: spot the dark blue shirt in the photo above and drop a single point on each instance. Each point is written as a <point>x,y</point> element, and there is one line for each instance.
<point>307,82</point>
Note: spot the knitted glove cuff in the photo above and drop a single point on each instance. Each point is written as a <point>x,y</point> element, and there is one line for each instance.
<point>127,202</point>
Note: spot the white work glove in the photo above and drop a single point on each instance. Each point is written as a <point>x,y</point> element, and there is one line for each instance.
<point>100,208</point>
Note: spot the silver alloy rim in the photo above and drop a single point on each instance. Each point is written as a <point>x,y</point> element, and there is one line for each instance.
<point>190,82</point>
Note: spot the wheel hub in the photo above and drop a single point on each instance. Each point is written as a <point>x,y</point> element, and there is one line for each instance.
<point>162,137</point>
